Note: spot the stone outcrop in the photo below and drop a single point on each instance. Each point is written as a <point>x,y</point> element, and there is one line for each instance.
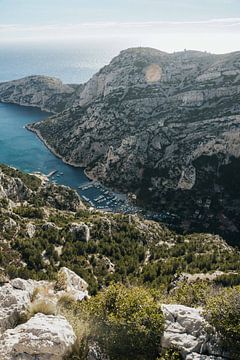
<point>42,337</point>
<point>18,295</point>
<point>73,285</point>
<point>187,331</point>
<point>13,302</point>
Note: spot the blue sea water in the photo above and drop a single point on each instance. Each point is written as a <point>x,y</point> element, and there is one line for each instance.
<point>70,62</point>
<point>21,148</point>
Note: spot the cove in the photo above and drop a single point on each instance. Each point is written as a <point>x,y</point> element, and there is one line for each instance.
<point>23,150</point>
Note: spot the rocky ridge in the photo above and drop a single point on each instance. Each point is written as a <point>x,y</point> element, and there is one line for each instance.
<point>44,92</point>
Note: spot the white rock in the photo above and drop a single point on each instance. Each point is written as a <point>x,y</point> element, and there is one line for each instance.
<point>12,304</point>
<point>195,356</point>
<point>42,337</point>
<point>75,285</point>
<point>187,330</point>
<point>30,229</point>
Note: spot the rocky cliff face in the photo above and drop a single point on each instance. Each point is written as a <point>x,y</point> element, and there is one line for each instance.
<point>165,126</point>
<point>45,92</point>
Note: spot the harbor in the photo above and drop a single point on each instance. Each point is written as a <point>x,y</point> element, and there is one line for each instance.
<point>97,196</point>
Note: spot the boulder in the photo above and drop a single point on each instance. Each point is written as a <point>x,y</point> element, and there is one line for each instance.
<point>13,302</point>
<point>74,285</point>
<point>42,337</point>
<point>188,331</point>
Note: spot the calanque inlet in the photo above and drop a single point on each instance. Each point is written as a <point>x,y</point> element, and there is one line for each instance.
<point>81,283</point>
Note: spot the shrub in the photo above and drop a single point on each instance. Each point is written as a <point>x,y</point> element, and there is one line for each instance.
<point>223,312</point>
<point>170,354</point>
<point>126,322</point>
<point>191,294</point>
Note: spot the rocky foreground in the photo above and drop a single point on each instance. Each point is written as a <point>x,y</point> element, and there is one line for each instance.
<point>51,336</point>
<point>164,126</point>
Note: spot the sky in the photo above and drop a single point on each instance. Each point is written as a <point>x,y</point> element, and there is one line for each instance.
<point>170,25</point>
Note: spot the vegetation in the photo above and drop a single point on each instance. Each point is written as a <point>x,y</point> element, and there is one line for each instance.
<point>126,322</point>
<point>121,249</point>
<point>223,312</point>
<point>132,266</point>
<point>30,181</point>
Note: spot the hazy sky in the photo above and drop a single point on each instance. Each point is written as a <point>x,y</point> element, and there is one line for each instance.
<point>212,25</point>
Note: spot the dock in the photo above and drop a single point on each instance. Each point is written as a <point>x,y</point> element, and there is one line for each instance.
<point>52,173</point>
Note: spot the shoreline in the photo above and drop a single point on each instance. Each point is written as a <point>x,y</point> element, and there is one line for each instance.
<point>53,151</point>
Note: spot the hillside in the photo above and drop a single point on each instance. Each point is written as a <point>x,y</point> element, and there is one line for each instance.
<point>146,282</point>
<point>164,126</point>
<point>44,92</point>
<point>45,227</point>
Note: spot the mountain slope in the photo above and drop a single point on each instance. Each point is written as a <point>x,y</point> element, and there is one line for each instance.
<point>45,92</point>
<point>45,227</point>
<point>165,126</point>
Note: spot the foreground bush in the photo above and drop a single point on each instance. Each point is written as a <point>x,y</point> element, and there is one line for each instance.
<point>223,312</point>
<point>127,323</point>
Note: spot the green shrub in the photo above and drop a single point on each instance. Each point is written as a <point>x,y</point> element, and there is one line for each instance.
<point>170,354</point>
<point>126,322</point>
<point>29,212</point>
<point>191,294</point>
<point>223,312</point>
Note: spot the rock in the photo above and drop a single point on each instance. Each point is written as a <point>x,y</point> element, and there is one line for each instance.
<point>195,356</point>
<point>13,302</point>
<point>30,230</point>
<point>50,225</point>
<point>74,285</point>
<point>187,330</point>
<point>42,337</point>
<point>80,231</point>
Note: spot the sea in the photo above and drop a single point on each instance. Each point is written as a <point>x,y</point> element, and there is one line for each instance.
<point>72,63</point>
